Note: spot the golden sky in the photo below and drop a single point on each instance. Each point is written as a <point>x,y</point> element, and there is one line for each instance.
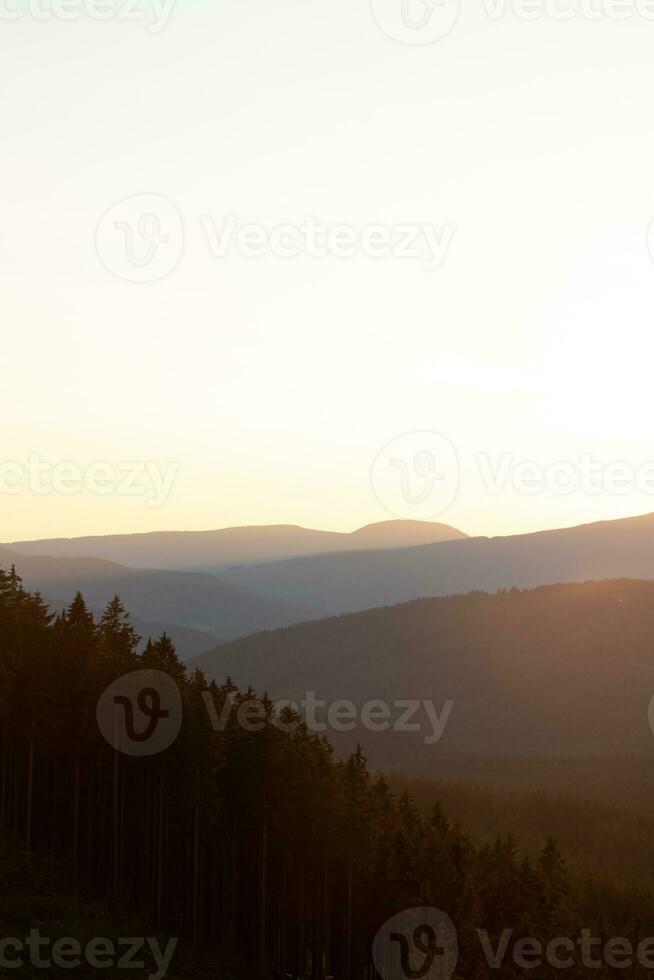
<point>272,383</point>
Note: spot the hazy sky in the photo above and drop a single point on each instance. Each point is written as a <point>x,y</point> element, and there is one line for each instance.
<point>272,383</point>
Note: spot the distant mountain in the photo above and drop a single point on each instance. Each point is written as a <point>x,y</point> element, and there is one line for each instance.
<point>195,600</point>
<point>332,584</point>
<point>373,571</point>
<point>401,534</point>
<point>561,671</point>
<point>216,551</point>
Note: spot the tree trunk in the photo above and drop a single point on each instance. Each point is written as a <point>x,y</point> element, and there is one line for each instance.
<point>264,898</point>
<point>30,789</point>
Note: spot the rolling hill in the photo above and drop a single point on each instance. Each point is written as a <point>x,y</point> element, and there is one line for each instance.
<point>216,551</point>
<point>176,601</point>
<point>559,671</point>
<point>331,584</point>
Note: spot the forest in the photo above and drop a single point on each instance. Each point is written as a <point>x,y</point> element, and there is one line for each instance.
<point>561,671</point>
<point>266,854</point>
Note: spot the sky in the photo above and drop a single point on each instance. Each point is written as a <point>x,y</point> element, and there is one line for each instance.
<point>325,262</point>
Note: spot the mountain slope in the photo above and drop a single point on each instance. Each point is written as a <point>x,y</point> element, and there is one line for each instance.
<point>218,550</point>
<point>564,670</point>
<point>331,584</point>
<point>200,601</point>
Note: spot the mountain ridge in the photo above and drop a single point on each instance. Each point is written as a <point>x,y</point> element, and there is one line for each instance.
<point>349,582</point>
<point>224,548</point>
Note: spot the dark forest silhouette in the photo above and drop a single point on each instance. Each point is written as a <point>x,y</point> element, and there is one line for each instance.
<point>259,844</point>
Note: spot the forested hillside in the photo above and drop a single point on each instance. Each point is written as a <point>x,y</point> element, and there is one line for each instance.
<point>251,844</point>
<point>564,671</point>
<point>191,600</point>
